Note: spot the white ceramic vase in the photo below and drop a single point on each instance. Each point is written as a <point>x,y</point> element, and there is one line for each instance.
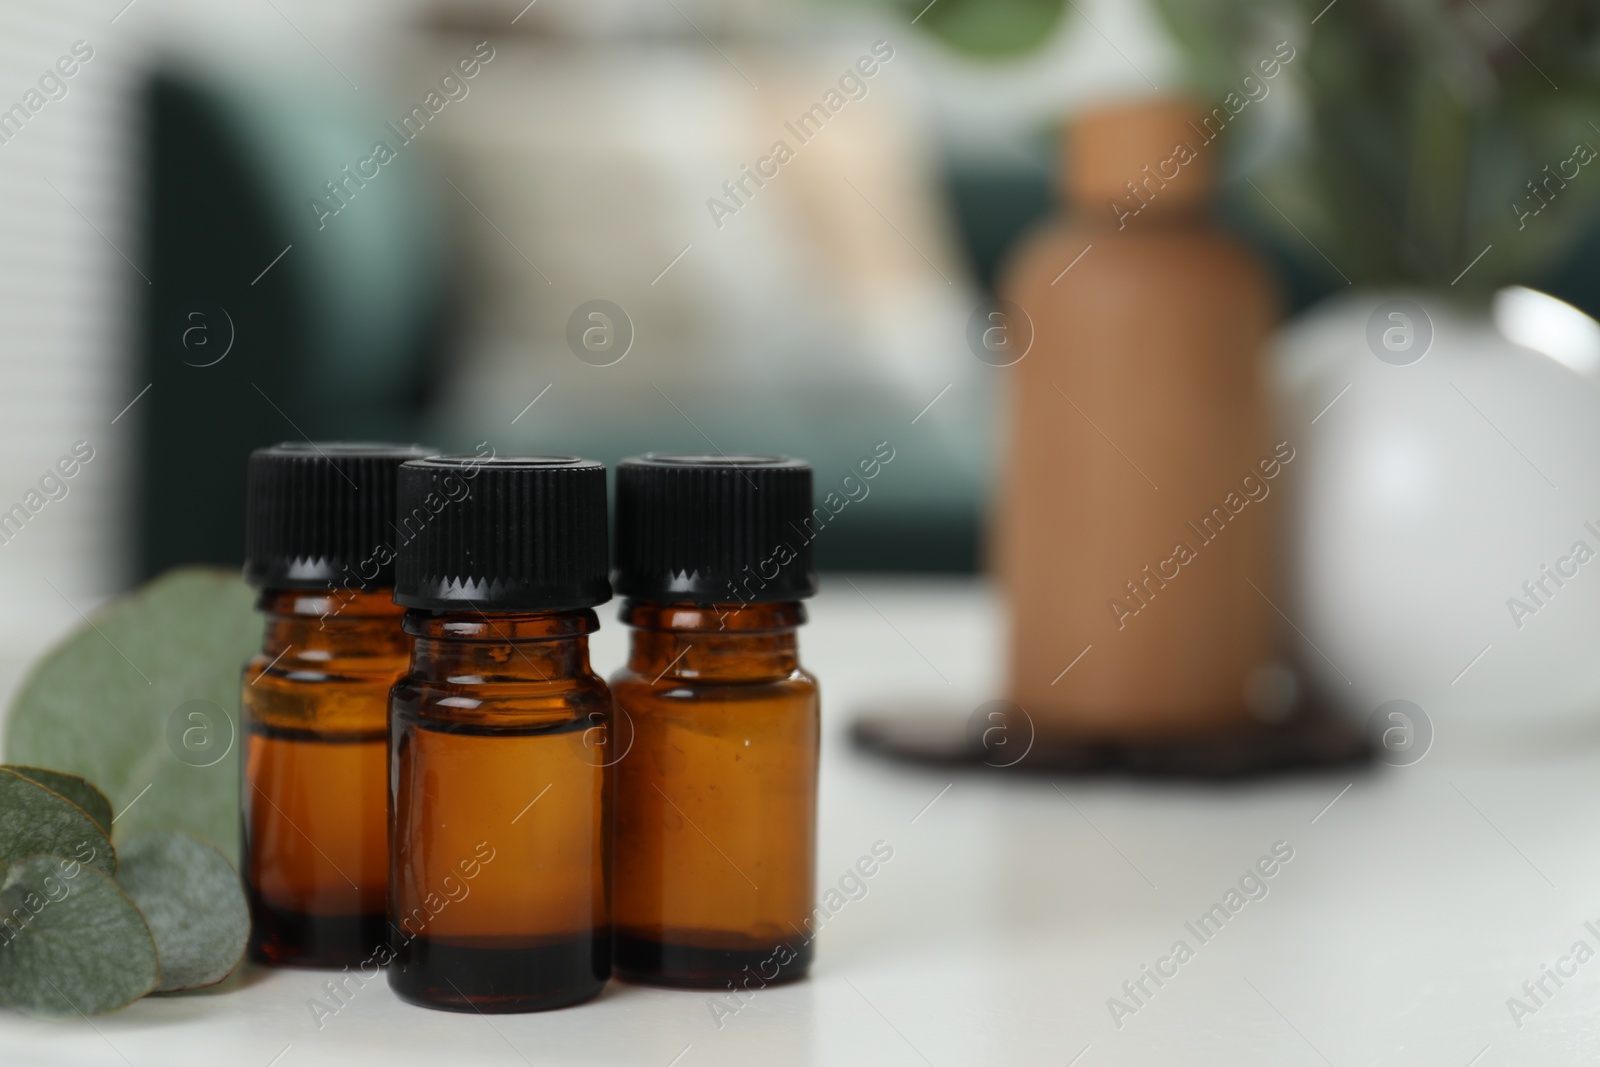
<point>1444,481</point>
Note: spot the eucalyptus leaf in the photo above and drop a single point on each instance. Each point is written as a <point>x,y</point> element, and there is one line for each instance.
<point>193,903</point>
<point>145,703</point>
<point>75,789</point>
<point>70,941</point>
<point>38,821</point>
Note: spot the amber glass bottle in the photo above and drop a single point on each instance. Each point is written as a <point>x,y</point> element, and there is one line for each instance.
<point>315,700</point>
<point>1138,428</point>
<point>500,737</point>
<point>715,818</point>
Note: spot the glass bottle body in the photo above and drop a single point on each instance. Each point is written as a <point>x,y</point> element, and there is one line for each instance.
<point>499,871</point>
<point>715,817</point>
<point>314,710</point>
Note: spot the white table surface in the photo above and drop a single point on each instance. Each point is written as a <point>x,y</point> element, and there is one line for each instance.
<point>1413,908</point>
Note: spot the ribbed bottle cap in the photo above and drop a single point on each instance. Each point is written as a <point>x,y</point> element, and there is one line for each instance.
<point>502,533</point>
<point>320,512</point>
<point>714,529</point>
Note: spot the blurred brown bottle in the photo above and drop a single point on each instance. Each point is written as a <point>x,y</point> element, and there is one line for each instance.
<point>1134,543</point>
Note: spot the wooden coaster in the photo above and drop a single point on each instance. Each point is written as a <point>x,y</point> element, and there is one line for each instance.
<point>1310,740</point>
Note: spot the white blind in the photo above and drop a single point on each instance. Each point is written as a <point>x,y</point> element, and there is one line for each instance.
<point>66,297</point>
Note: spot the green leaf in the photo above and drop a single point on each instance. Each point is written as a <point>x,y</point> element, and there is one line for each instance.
<point>70,941</point>
<point>990,29</point>
<point>75,789</point>
<point>38,821</point>
<point>192,900</point>
<point>145,703</point>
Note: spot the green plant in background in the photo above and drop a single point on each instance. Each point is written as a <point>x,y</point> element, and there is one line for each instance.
<point>86,929</point>
<point>144,702</point>
<point>988,29</point>
<point>1434,129</point>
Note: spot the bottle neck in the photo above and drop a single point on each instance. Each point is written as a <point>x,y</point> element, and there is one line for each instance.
<point>484,647</point>
<point>331,625</point>
<point>714,642</point>
<point>1141,165</point>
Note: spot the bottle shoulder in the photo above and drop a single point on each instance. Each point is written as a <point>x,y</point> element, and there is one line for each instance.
<point>512,703</point>
<point>628,685</point>
<point>488,690</point>
<point>291,667</point>
<point>320,690</point>
<point>504,718</point>
<point>1196,255</point>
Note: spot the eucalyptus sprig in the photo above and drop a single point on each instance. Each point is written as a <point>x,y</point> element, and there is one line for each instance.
<point>85,929</point>
<point>138,702</point>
